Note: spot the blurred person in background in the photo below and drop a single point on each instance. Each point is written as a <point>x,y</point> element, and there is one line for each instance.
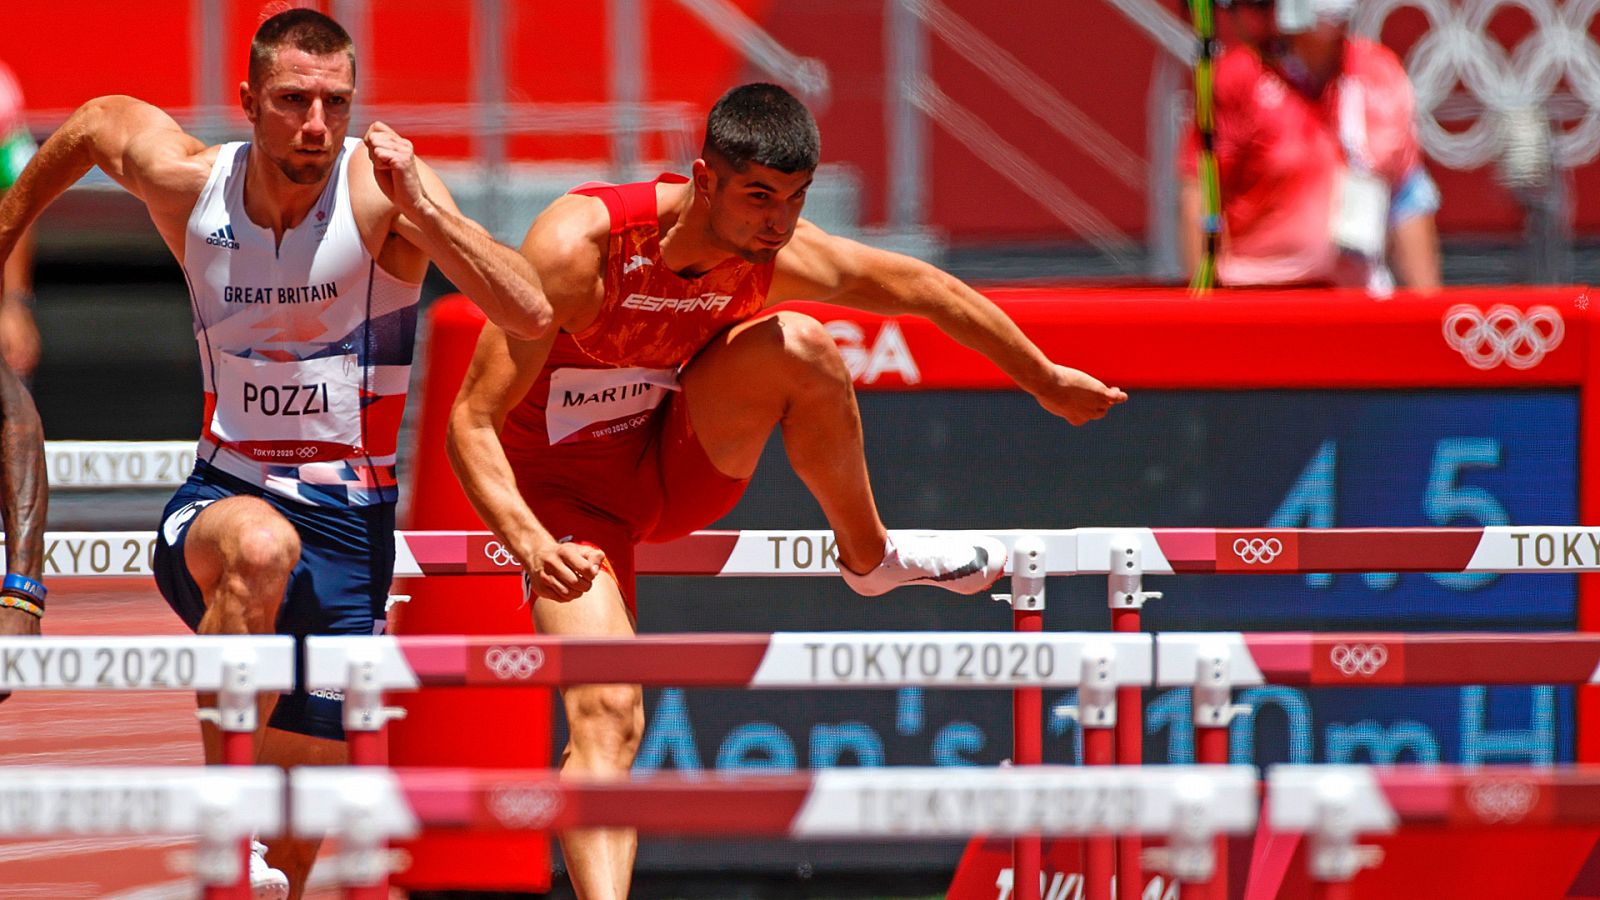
<point>19,340</point>
<point>1321,173</point>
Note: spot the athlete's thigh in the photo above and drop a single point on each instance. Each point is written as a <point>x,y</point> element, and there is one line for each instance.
<point>600,612</point>
<point>215,531</point>
<point>734,394</point>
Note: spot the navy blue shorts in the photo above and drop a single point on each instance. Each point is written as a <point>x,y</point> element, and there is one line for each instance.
<point>339,586</point>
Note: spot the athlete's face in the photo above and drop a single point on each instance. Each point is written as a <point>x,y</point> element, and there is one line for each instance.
<point>301,112</point>
<point>753,212</point>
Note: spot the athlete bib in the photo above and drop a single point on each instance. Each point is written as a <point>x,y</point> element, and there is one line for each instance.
<point>581,398</point>
<point>291,412</point>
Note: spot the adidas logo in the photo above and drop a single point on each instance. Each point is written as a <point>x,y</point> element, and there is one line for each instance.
<point>223,237</point>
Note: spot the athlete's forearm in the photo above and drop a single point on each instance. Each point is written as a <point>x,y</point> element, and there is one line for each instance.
<point>22,477</point>
<point>969,317</point>
<point>497,278</point>
<point>63,159</point>
<point>480,463</point>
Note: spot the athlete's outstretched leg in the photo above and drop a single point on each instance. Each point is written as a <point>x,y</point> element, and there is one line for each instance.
<point>605,722</point>
<point>783,369</point>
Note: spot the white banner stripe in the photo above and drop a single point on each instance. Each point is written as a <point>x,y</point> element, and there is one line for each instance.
<point>1178,655</point>
<point>118,464</point>
<point>153,662</point>
<point>958,802</point>
<point>323,798</point>
<point>950,660</point>
<point>1537,548</point>
<point>328,660</point>
<point>44,800</point>
<point>1299,797</point>
<point>1086,551</point>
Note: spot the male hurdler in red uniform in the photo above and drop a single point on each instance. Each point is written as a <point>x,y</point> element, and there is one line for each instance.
<point>642,418</point>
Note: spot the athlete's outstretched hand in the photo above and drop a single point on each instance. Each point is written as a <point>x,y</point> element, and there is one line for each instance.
<point>394,165</point>
<point>1078,396</point>
<point>562,572</point>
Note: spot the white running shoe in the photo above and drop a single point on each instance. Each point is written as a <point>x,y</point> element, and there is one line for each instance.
<point>266,883</point>
<point>963,563</point>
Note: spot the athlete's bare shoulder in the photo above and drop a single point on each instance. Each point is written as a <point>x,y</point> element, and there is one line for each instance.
<point>146,151</point>
<point>567,246</point>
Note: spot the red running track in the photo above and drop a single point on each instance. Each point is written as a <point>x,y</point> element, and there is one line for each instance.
<point>106,728</point>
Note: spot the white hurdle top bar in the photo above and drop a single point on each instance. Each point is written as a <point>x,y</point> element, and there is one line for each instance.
<point>781,660</point>
<point>830,803</point>
<point>1077,551</point>
<point>118,464</point>
<point>1373,800</point>
<point>148,662</point>
<point>218,801</point>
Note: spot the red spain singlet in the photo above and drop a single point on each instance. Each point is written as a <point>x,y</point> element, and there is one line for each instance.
<point>602,450</point>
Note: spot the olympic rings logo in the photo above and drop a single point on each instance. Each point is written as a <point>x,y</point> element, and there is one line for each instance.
<point>1253,551</point>
<point>1505,334</point>
<point>520,806</point>
<point>1497,802</point>
<point>1458,51</point>
<point>499,554</point>
<point>514,663</point>
<point>305,452</point>
<point>1359,659</point>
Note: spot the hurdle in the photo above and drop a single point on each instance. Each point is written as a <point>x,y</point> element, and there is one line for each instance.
<point>221,805</point>
<point>237,668</point>
<point>1337,805</point>
<point>1188,805</point>
<point>1124,555</point>
<point>102,465</point>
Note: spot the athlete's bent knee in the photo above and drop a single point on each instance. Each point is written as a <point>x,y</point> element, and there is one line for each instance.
<point>808,343</point>
<point>263,546</point>
<point>606,720</point>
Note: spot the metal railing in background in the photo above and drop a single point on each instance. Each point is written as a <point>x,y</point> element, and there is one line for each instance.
<point>497,191</point>
<point>913,94</point>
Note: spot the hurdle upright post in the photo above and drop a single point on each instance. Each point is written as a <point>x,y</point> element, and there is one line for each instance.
<point>220,867</point>
<point>364,713</point>
<point>1096,715</point>
<point>1126,596</point>
<point>364,851</point>
<point>237,716</point>
<point>1027,704</point>
<point>1213,709</point>
<point>1190,856</point>
<point>1335,856</point>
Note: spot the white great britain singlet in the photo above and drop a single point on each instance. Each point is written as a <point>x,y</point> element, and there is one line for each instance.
<point>305,347</point>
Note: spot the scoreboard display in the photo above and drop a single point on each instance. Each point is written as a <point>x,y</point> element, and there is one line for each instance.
<point>1287,410</point>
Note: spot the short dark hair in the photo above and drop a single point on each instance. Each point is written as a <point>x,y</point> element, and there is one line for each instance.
<point>305,30</point>
<point>763,124</point>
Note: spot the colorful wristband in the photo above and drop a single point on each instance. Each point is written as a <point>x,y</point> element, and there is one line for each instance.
<point>33,609</point>
<point>22,584</point>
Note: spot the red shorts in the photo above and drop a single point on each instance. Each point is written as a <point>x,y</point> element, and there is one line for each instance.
<point>655,485</point>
